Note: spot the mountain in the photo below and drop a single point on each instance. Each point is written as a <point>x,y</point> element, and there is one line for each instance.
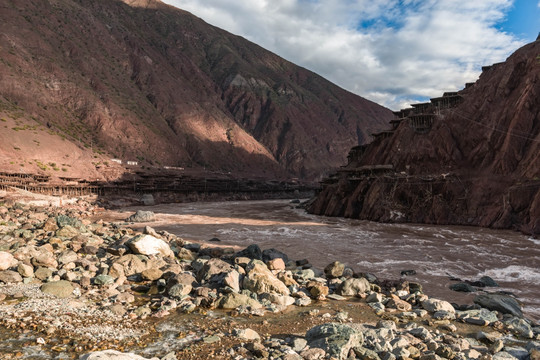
<point>471,157</point>
<point>84,81</point>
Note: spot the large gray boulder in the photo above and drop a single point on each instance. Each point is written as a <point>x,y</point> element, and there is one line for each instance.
<point>502,303</point>
<point>213,267</point>
<point>234,300</point>
<point>353,287</point>
<point>434,305</point>
<point>260,280</point>
<point>150,245</point>
<point>142,216</point>
<point>335,339</point>
<point>519,327</point>
<point>60,288</point>
<point>131,264</point>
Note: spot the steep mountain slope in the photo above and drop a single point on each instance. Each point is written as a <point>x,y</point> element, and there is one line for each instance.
<point>475,161</point>
<point>138,79</point>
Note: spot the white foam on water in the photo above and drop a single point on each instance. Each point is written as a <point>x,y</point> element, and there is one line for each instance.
<point>534,241</point>
<point>514,273</point>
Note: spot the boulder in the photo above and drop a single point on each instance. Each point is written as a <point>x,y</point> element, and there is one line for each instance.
<point>131,264</point>
<point>497,302</point>
<point>149,245</point>
<point>334,270</point>
<point>61,288</point>
<point>67,232</point>
<point>64,220</point>
<point>230,278</point>
<point>462,287</point>
<point>102,280</point>
<point>519,327</point>
<point>180,290</point>
<point>184,254</point>
<point>335,339</point>
<point>213,267</point>
<point>247,334</point>
<point>488,281</point>
<point>7,260</point>
<point>259,280</point>
<point>434,305</point>
<point>45,259</point>
<point>252,251</point>
<point>480,314</point>
<point>185,278</point>
<point>152,274</point>
<point>234,300</point>
<point>10,277</point>
<point>271,254</point>
<point>142,216</point>
<point>319,291</point>
<point>43,273</point>
<point>503,355</point>
<point>278,299</point>
<point>25,270</point>
<point>396,303</point>
<point>67,257</point>
<point>50,225</point>
<point>353,287</point>
<point>276,264</point>
<point>112,355</point>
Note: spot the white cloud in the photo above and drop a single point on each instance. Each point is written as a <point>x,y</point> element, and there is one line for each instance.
<point>411,48</point>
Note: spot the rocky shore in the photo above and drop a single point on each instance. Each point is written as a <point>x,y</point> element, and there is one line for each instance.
<point>78,288</point>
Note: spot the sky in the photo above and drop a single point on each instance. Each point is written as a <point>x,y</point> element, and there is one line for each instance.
<point>393,52</point>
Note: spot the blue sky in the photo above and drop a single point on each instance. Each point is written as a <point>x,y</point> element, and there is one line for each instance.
<point>523,20</point>
<point>393,52</point>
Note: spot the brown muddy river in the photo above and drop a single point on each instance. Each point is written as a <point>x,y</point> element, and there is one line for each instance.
<point>436,253</point>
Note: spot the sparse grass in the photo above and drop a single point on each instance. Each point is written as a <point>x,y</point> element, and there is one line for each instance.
<point>41,165</point>
<point>16,148</point>
<point>64,169</point>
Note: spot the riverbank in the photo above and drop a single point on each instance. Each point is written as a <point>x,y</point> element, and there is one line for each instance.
<point>74,284</point>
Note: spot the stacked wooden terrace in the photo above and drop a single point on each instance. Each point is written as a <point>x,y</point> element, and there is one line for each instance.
<point>43,184</point>
<point>150,183</point>
<point>141,182</point>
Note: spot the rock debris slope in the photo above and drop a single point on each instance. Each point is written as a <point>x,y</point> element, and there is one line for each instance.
<point>144,81</point>
<point>470,157</point>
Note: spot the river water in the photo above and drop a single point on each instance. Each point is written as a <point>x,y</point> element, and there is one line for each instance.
<point>436,253</point>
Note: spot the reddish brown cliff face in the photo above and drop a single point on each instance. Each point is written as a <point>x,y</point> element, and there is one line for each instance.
<point>140,80</point>
<point>478,164</point>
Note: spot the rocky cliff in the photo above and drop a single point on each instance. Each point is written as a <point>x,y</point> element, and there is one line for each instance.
<point>82,81</point>
<point>471,157</point>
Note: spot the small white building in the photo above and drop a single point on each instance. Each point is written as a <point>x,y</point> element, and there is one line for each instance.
<point>132,163</point>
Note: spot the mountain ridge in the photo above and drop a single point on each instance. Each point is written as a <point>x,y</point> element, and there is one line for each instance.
<point>476,162</point>
<point>145,81</point>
